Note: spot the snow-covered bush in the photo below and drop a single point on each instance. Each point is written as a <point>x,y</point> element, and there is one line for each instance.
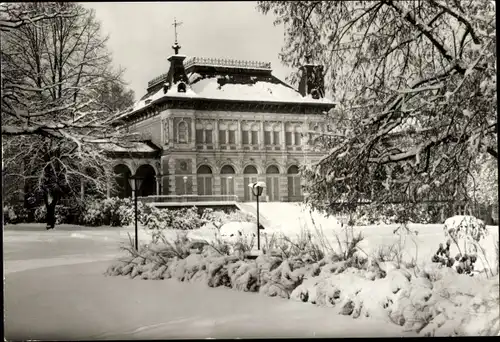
<point>64,214</point>
<point>104,212</point>
<point>219,217</point>
<point>9,215</point>
<point>186,219</point>
<point>468,233</point>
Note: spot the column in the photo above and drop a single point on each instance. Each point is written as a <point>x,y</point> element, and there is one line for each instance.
<point>216,138</point>
<point>193,132</point>
<point>171,167</point>
<point>261,134</point>
<point>158,185</point>
<point>194,178</point>
<point>238,136</point>
<point>283,134</point>
<point>171,137</point>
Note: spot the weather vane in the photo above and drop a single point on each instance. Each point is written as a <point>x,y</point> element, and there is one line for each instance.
<point>176,46</point>
<point>175,24</point>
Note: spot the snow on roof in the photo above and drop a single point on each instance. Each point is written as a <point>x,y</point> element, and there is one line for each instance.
<point>129,147</point>
<point>259,91</point>
<point>209,88</point>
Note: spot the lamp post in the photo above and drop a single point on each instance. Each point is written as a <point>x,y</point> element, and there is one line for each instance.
<point>257,189</point>
<point>135,186</point>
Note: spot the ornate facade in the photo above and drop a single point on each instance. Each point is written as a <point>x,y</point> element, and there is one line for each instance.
<point>212,126</point>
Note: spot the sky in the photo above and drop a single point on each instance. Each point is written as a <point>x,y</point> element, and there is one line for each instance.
<point>141,35</point>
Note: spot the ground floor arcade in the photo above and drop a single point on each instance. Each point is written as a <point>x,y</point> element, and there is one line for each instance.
<point>282,183</point>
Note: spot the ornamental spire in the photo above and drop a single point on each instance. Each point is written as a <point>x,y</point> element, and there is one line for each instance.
<point>176,45</point>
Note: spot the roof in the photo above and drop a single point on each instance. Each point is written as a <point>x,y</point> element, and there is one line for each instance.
<point>225,79</point>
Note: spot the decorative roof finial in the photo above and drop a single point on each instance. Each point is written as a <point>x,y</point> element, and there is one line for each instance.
<point>176,45</point>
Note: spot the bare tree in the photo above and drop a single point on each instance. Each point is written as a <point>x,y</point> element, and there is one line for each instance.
<point>54,116</point>
<point>15,15</point>
<point>416,86</point>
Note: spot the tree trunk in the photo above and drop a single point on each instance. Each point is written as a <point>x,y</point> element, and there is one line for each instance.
<point>50,204</point>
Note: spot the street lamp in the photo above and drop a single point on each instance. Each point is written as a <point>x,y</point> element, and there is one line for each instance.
<point>257,189</point>
<point>135,184</point>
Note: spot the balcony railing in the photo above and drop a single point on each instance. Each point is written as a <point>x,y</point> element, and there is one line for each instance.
<point>188,198</point>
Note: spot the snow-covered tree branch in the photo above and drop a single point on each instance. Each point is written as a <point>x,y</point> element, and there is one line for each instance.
<point>416,86</point>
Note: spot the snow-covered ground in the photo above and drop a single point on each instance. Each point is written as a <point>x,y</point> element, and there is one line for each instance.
<point>30,246</point>
<point>53,291</point>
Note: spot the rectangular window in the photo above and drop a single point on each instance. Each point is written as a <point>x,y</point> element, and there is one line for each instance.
<point>199,136</point>
<point>245,138</point>
<point>298,138</point>
<point>276,138</point>
<point>208,136</point>
<point>288,138</point>
<point>232,137</point>
<point>222,137</point>
<point>255,140</point>
<point>267,138</point>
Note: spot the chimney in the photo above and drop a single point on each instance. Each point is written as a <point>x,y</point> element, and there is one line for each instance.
<point>312,81</point>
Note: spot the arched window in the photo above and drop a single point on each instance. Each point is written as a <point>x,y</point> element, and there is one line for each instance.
<point>204,180</point>
<point>250,170</point>
<point>250,176</point>
<point>182,132</point>
<point>272,183</point>
<point>293,170</point>
<point>226,170</point>
<point>271,170</point>
<point>227,180</point>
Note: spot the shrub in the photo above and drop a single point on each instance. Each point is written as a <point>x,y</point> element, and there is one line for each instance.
<point>186,219</point>
<point>120,212</point>
<point>102,212</point>
<point>64,214</point>
<point>9,214</point>
<point>470,231</point>
<point>219,218</point>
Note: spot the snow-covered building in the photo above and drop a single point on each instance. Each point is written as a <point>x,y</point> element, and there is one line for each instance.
<point>211,126</point>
